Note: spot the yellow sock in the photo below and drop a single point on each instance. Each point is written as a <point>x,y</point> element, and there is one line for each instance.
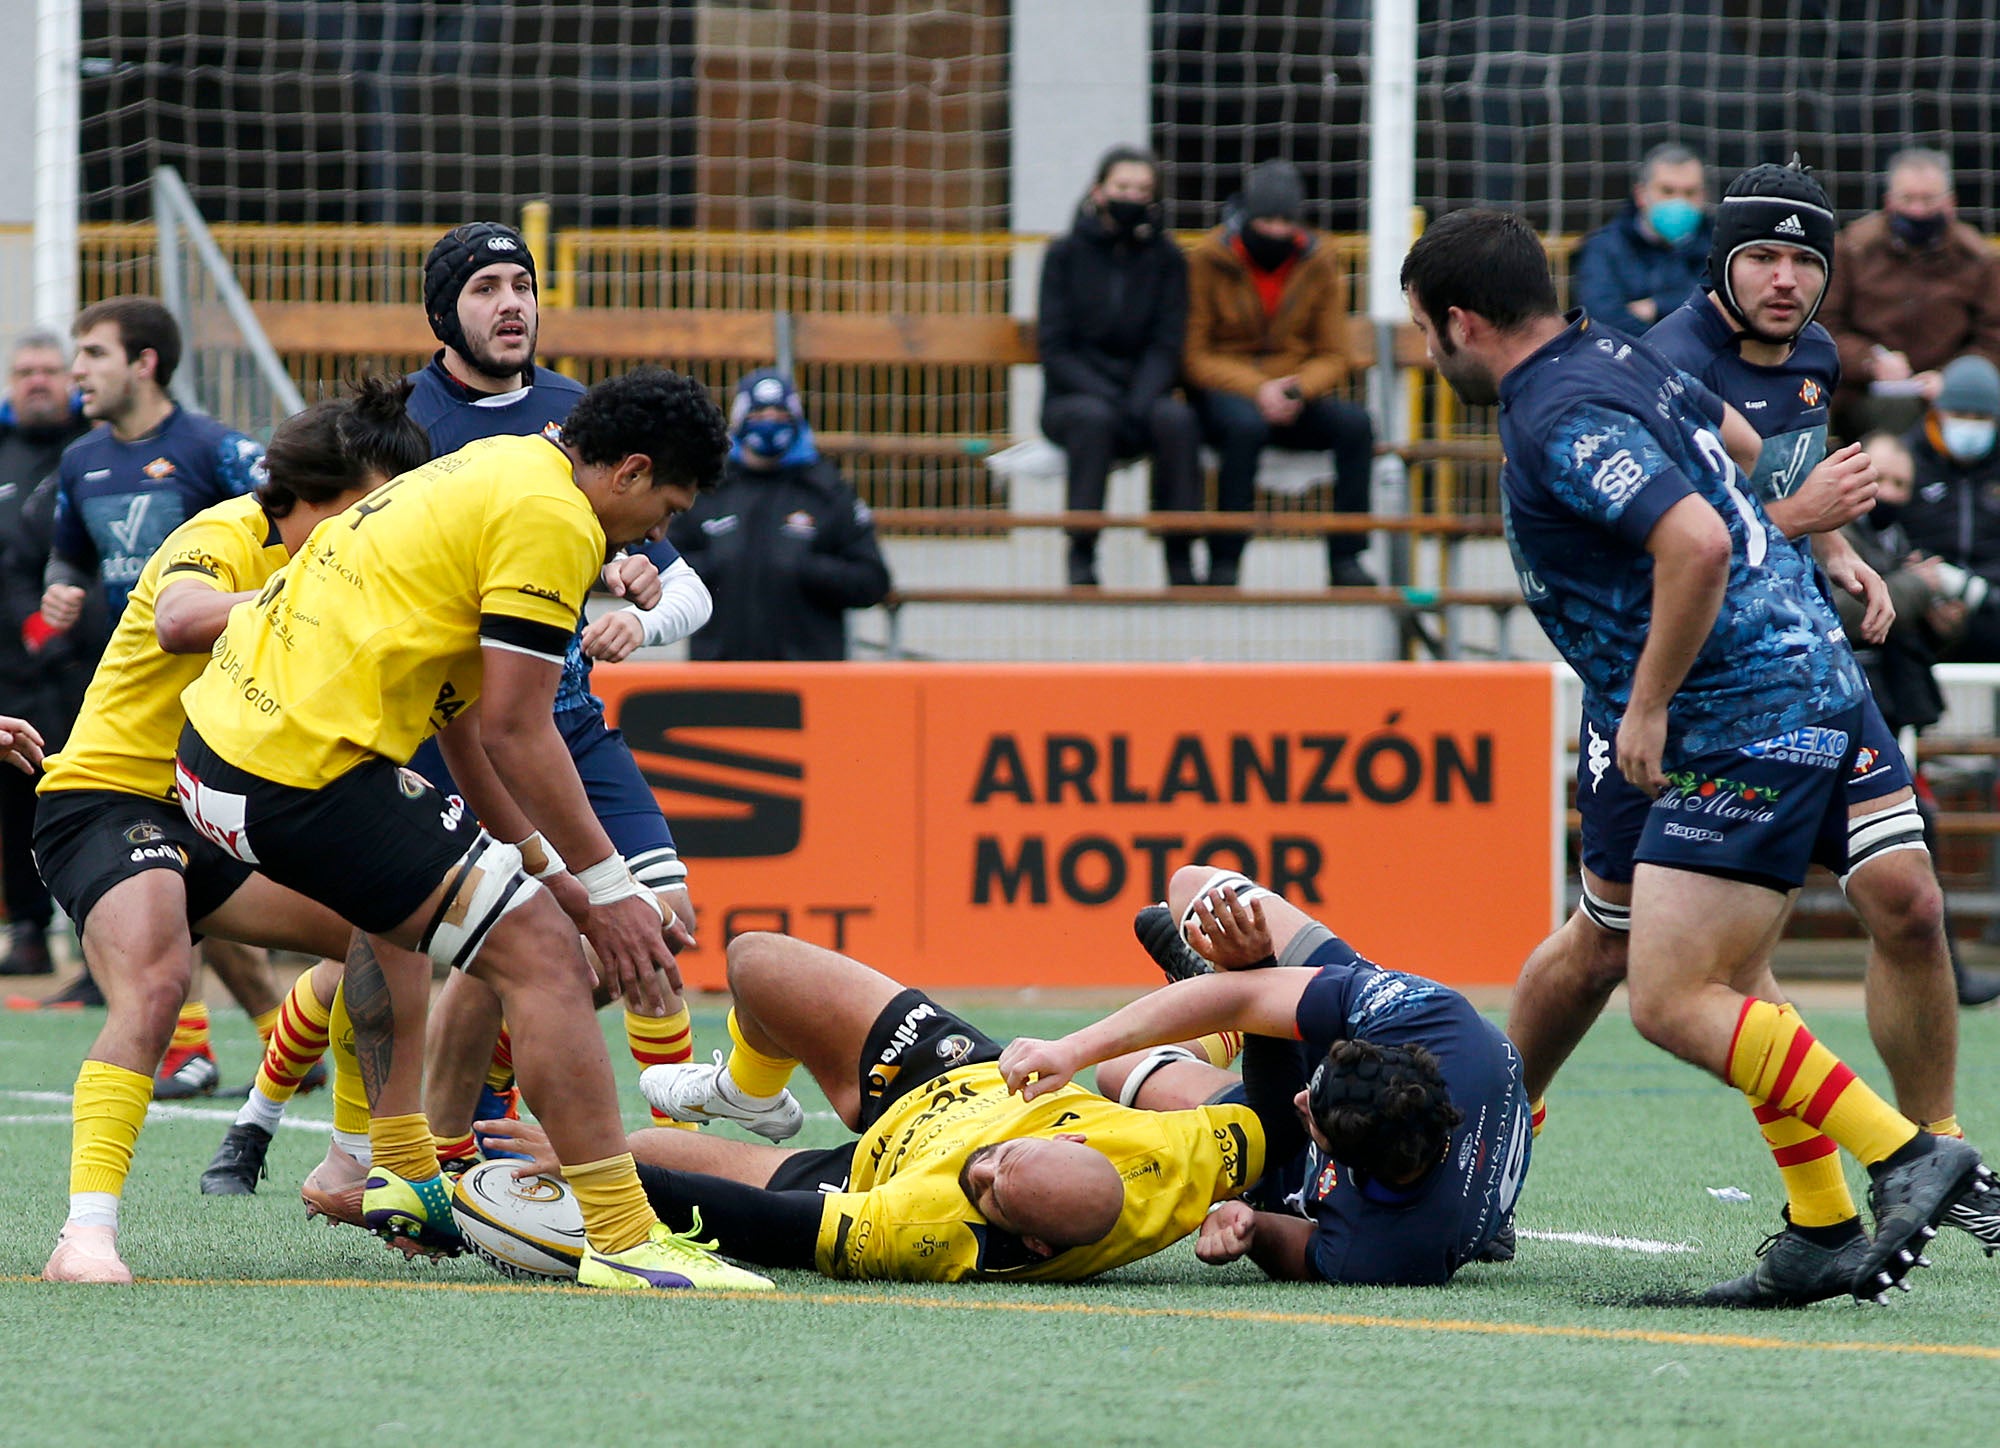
<point>107,1111</point>
<point>754,1073</point>
<point>1220,1047</point>
<point>268,1021</point>
<point>616,1214</point>
<point>1945,1126</point>
<point>660,1041</point>
<point>295,1042</point>
<point>1775,1061</point>
<point>191,1029</point>
<point>1538,1115</point>
<point>1816,1193</point>
<point>402,1144</point>
<point>350,1097</point>
<point>500,1071</point>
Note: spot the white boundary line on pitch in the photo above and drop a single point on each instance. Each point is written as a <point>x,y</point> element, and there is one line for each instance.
<point>1645,1245</point>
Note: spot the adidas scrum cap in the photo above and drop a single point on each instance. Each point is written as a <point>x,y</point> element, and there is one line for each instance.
<point>1766,204</point>
<point>458,254</point>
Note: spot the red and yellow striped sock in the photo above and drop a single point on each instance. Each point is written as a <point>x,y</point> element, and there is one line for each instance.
<point>755,1073</point>
<point>1945,1126</point>
<point>1219,1048</point>
<point>190,1031</point>
<point>661,1041</point>
<point>1816,1193</point>
<point>1538,1115</point>
<point>616,1214</point>
<point>1775,1061</point>
<point>455,1149</point>
<point>106,1112</point>
<point>500,1073</point>
<point>296,1043</point>
<point>268,1022</point>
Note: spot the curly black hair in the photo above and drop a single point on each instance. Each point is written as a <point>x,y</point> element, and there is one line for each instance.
<point>1383,1110</point>
<point>341,443</point>
<point>659,414</point>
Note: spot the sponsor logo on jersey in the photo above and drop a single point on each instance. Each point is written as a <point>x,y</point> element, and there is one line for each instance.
<point>159,468</point>
<point>144,833</point>
<point>1823,748</point>
<point>1810,392</point>
<point>1725,799</point>
<point>127,530</point>
<point>717,527</point>
<point>1596,755</point>
<point>1618,477</point>
<point>1588,444</point>
<point>537,591</point>
<point>169,853</point>
<point>96,475</point>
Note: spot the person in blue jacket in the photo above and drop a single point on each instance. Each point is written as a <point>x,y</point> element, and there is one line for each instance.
<point>1654,255</point>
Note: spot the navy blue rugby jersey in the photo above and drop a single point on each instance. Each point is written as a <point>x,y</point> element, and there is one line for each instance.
<point>1422,1234</point>
<point>1786,404</point>
<point>117,501</point>
<point>1602,436</point>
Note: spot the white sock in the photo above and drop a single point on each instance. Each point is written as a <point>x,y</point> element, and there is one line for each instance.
<point>93,1209</point>
<point>355,1145</point>
<point>261,1110</point>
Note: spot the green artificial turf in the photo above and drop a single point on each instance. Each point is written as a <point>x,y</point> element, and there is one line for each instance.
<point>233,1343</point>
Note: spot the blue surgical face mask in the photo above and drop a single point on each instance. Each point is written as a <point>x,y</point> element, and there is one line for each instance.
<point>1967,439</point>
<point>767,437</point>
<point>1674,220</point>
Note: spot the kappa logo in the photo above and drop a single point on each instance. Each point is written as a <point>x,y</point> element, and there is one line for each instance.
<point>1790,226</point>
<point>128,529</point>
<point>159,468</point>
<point>1597,755</point>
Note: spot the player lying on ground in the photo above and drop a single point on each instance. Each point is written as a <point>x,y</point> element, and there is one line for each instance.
<point>952,1177</point>
<point>1397,1125</point>
<point>445,603</point>
<point>117,851</point>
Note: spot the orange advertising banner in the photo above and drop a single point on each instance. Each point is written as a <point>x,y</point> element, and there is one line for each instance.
<point>998,825</point>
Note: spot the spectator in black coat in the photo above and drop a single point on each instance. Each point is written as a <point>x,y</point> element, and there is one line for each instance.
<point>784,545</point>
<point>1113,316</point>
<point>1954,515</point>
<point>42,674</point>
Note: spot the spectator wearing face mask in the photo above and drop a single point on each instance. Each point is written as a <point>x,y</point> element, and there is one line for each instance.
<point>1953,514</point>
<point>783,544</point>
<point>1913,287</point>
<point>1654,255</point>
<point>1267,347</point>
<point>1112,318</point>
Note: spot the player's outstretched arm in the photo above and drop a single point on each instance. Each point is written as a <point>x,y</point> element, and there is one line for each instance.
<point>1263,1003</point>
<point>518,734</point>
<point>1279,1244</point>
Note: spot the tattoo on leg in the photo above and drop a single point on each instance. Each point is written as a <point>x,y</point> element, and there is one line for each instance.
<point>373,1015</point>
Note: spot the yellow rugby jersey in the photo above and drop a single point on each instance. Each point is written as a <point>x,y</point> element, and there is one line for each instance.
<point>905,1217</point>
<point>369,643</point>
<point>131,720</point>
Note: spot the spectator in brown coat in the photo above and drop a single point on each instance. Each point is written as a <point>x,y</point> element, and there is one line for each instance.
<point>1913,287</point>
<point>1266,350</point>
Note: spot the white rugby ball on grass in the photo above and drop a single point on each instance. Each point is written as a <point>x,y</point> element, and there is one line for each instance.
<point>531,1227</point>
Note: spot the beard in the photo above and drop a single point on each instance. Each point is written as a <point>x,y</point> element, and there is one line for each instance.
<point>488,363</point>
<point>1474,384</point>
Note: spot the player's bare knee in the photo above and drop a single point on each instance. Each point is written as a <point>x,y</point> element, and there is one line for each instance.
<point>752,959</point>
<point>1660,1016</point>
<point>1188,882</point>
<point>1900,902</point>
<point>1606,955</point>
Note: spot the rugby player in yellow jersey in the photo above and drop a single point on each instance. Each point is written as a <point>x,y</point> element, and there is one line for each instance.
<point>952,1178</point>
<point>110,837</point>
<point>443,604</point>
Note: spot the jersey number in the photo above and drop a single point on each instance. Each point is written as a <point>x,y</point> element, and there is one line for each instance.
<point>1717,457</point>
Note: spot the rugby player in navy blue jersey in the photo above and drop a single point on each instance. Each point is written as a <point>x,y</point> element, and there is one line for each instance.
<point>1750,337</point>
<point>120,490</point>
<point>1396,1128</point>
<point>1714,669</point>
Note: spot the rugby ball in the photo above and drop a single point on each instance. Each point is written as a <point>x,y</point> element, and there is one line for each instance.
<point>531,1227</point>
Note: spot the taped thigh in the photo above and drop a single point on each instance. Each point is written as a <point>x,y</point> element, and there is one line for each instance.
<point>481,890</point>
<point>1870,836</point>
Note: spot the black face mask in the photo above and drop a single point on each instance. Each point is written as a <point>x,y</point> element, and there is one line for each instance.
<point>1916,230</point>
<point>1127,218</point>
<point>1267,253</point>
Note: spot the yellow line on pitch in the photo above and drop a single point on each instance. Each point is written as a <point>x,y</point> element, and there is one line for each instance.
<point>1463,1326</point>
